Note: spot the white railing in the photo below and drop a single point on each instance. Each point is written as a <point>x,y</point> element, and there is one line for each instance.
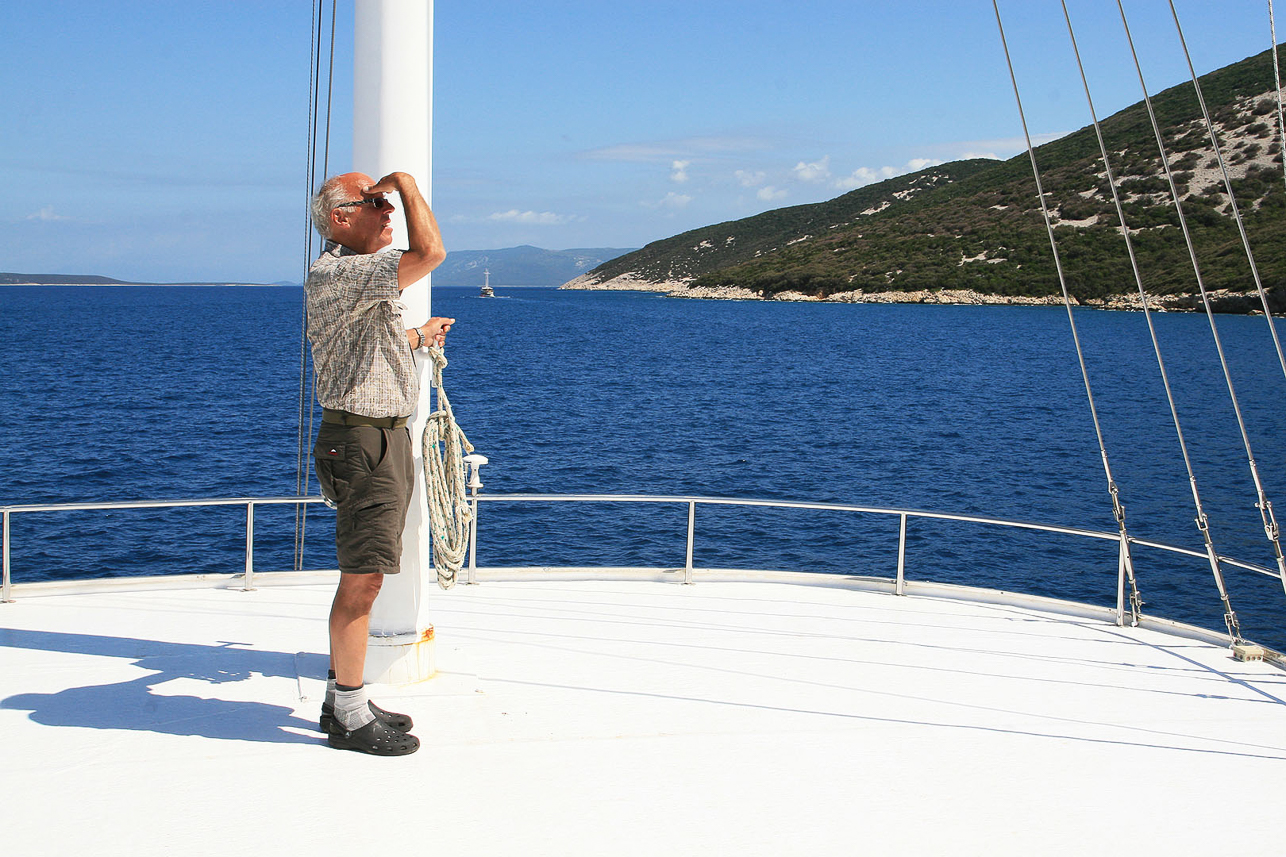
<point>691,502</point>
<point>249,502</point>
<point>903,516</point>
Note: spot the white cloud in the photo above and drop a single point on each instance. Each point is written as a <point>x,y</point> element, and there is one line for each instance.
<point>634,152</point>
<point>679,171</point>
<point>748,178</point>
<point>817,171</point>
<point>672,201</point>
<point>46,213</point>
<point>536,218</point>
<point>863,176</point>
<point>920,163</point>
<point>1005,147</point>
<point>670,150</point>
<point>769,193</point>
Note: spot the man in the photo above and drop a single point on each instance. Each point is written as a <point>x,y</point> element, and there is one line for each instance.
<point>367,387</point>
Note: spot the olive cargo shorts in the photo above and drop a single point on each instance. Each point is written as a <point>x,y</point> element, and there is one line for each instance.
<point>368,473</point>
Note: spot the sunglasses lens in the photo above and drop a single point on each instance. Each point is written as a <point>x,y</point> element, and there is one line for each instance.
<point>375,202</point>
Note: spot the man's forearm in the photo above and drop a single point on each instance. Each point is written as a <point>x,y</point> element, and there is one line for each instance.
<point>425,251</point>
<point>422,232</point>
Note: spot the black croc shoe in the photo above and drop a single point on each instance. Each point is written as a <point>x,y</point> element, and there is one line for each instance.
<point>400,722</point>
<point>375,738</point>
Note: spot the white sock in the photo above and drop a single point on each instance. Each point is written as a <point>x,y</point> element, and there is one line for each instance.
<point>352,709</point>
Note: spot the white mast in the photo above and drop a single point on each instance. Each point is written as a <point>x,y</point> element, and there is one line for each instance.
<point>392,130</point>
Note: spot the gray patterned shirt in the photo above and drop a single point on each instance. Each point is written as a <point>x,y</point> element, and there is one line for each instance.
<point>362,360</point>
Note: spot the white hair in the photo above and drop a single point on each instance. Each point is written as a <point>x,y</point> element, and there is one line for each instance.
<point>329,195</point>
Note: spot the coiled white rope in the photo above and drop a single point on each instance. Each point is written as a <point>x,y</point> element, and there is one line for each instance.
<point>444,446</point>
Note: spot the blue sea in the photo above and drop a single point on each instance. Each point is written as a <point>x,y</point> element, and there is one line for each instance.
<point>149,392</point>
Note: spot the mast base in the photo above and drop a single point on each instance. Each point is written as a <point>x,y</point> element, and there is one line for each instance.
<point>402,659</point>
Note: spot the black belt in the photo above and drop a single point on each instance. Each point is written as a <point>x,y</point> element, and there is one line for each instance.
<point>344,418</point>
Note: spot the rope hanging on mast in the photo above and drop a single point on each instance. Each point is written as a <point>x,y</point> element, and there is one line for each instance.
<point>1118,510</point>
<point>443,445</point>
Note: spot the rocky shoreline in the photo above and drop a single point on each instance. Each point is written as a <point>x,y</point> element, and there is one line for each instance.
<point>1221,300</point>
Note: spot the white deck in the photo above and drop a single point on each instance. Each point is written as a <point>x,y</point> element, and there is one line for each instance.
<point>622,718</point>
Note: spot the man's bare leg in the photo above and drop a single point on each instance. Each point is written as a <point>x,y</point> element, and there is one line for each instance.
<point>349,707</point>
<point>350,621</point>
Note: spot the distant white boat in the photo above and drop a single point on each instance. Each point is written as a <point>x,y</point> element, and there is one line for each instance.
<point>487,291</point>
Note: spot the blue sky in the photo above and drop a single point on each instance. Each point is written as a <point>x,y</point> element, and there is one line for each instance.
<point>165,141</point>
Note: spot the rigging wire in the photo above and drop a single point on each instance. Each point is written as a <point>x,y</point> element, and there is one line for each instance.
<point>1277,88</point>
<point>301,480</point>
<point>1269,520</point>
<point>1203,524</point>
<point>1136,602</point>
<point>306,411</point>
<point>1118,510</point>
<point>1227,181</point>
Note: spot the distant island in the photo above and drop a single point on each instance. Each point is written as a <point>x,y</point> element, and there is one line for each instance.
<point>8,278</point>
<point>513,266</point>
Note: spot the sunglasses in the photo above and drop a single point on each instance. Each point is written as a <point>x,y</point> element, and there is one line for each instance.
<point>375,202</point>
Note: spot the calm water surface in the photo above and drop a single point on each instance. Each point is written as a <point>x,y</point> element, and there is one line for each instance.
<point>132,393</point>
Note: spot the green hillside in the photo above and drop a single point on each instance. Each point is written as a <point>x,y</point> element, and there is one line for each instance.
<point>977,224</point>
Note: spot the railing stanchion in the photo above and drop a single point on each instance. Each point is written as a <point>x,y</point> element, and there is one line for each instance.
<point>1120,581</point>
<point>692,529</point>
<point>475,461</point>
<point>4,594</point>
<point>901,581</point>
<point>249,582</point>
<point>473,543</point>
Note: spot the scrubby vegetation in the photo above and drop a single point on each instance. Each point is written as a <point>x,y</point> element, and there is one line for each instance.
<point>978,224</point>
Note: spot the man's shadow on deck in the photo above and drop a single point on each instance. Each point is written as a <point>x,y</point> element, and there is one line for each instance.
<point>133,705</point>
